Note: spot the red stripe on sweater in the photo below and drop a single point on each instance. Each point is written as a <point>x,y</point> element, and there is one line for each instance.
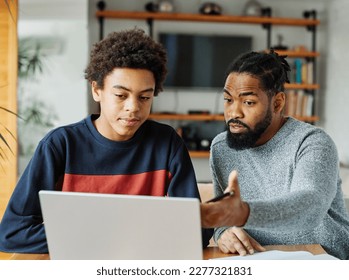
<point>153,183</point>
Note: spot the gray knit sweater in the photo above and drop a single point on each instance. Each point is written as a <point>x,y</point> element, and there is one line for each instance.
<point>292,186</point>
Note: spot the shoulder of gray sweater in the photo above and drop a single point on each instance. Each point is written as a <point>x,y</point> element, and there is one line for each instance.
<point>218,138</point>
<point>306,129</point>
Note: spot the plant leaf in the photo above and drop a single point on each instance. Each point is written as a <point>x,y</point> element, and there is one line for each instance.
<point>4,141</point>
<point>9,10</point>
<point>11,112</point>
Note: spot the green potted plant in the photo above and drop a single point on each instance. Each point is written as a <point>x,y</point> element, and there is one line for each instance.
<point>33,114</point>
<point>6,136</point>
<point>4,143</point>
<point>37,116</point>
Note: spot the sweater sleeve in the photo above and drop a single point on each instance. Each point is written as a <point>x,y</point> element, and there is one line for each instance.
<point>183,182</point>
<point>312,190</point>
<point>22,228</point>
<point>217,192</point>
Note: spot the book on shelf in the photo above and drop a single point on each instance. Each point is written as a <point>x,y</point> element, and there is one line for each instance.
<point>298,70</point>
<point>303,72</point>
<point>299,103</point>
<point>310,72</point>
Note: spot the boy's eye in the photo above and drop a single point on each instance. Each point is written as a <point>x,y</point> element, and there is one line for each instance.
<point>144,98</point>
<point>120,95</point>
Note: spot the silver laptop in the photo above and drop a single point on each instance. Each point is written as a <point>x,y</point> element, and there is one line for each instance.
<point>84,226</point>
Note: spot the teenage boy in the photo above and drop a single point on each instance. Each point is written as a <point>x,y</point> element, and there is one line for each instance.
<point>118,151</point>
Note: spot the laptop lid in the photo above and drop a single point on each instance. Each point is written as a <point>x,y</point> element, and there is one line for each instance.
<point>84,226</point>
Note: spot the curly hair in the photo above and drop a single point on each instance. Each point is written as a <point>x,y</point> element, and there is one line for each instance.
<point>270,68</point>
<point>127,49</point>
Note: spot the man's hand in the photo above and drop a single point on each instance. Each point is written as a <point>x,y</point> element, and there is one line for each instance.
<point>236,240</point>
<point>230,211</point>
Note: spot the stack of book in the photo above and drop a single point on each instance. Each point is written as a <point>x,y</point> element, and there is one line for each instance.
<point>299,103</point>
<point>302,72</point>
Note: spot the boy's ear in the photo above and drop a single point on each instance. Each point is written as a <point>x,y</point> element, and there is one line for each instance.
<point>279,102</point>
<point>96,92</point>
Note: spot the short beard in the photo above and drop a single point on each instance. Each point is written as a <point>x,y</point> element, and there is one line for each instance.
<point>241,141</point>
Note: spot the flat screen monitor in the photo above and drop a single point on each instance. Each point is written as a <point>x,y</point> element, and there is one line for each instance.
<point>200,61</point>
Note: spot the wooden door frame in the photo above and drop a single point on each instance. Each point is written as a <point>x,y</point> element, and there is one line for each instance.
<point>8,98</point>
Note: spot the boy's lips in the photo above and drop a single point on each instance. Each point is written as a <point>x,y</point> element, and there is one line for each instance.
<point>130,121</point>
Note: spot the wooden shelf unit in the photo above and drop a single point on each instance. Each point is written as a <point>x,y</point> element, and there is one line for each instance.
<point>300,54</point>
<point>302,86</point>
<point>117,14</point>
<point>199,154</point>
<point>191,117</point>
<point>209,117</point>
<point>309,22</point>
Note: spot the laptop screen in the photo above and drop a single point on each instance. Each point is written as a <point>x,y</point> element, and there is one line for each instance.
<point>129,227</point>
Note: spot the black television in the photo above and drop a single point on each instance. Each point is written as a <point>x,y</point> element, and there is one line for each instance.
<point>200,61</point>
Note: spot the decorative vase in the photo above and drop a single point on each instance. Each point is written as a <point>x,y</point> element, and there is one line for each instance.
<point>252,8</point>
<point>166,6</point>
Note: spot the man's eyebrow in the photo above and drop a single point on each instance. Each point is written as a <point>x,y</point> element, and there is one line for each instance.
<point>226,91</point>
<point>247,93</point>
<point>127,89</point>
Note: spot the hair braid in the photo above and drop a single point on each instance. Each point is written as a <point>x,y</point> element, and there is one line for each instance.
<point>270,68</point>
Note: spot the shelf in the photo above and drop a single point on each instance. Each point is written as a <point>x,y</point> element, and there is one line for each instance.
<point>209,117</point>
<point>191,117</point>
<point>300,54</point>
<point>302,86</point>
<point>309,119</point>
<point>208,18</point>
<point>199,154</point>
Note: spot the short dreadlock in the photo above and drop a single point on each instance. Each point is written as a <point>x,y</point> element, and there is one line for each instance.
<point>270,68</point>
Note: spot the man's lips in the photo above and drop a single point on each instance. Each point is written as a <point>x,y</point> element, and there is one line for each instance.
<point>236,128</point>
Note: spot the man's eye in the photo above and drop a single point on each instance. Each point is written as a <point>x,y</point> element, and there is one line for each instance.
<point>226,99</point>
<point>249,103</point>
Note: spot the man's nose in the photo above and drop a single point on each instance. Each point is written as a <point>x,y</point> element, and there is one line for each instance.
<point>235,111</point>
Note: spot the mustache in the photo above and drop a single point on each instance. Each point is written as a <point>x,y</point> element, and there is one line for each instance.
<point>234,121</point>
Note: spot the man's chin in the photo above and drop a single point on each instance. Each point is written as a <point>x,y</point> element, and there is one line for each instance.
<point>240,141</point>
<point>239,146</point>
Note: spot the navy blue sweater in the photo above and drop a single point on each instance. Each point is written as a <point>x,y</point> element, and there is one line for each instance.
<point>77,158</point>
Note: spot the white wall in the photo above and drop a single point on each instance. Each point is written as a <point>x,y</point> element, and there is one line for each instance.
<point>62,85</point>
<point>336,97</point>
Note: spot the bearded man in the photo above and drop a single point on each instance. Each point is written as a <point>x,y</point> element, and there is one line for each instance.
<point>284,172</point>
